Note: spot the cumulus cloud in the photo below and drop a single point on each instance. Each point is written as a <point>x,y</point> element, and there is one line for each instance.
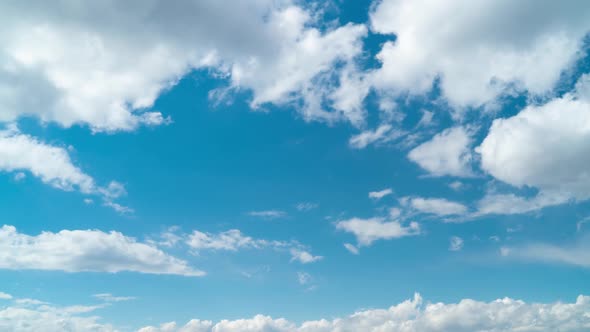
<point>447,153</point>
<point>490,48</point>
<point>85,251</point>
<point>380,194</point>
<point>303,256</point>
<point>5,296</point>
<point>416,316</point>
<point>370,230</point>
<point>52,165</point>
<point>437,206</point>
<point>543,147</point>
<point>104,64</point>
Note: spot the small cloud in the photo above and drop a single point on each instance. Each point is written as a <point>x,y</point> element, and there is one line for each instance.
<point>306,206</point>
<point>108,297</point>
<point>118,207</point>
<point>88,201</point>
<point>395,213</point>
<point>268,214</point>
<point>351,248</point>
<point>495,238</point>
<point>19,176</point>
<point>456,185</point>
<point>303,277</point>
<point>5,296</point>
<point>304,257</point>
<point>456,243</point>
<point>377,195</point>
<point>514,229</point>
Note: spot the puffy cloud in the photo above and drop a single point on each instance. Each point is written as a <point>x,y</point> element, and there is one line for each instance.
<point>455,243</point>
<point>5,296</point>
<point>52,165</point>
<point>104,64</point>
<point>234,240</point>
<point>370,230</point>
<point>380,194</point>
<point>415,316</point>
<point>447,153</point>
<point>86,250</point>
<point>303,256</point>
<point>489,48</point>
<point>438,206</point>
<point>577,254</point>
<point>544,147</point>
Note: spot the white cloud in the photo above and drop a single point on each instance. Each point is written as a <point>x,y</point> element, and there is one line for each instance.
<point>380,194</point>
<point>447,153</point>
<point>268,214</point>
<point>490,47</point>
<point>414,315</point>
<point>456,185</point>
<point>4,296</point>
<point>493,203</point>
<point>455,243</point>
<point>38,316</point>
<point>306,206</point>
<point>351,248</point>
<point>383,134</point>
<point>52,165</point>
<point>234,240</point>
<point>303,257</point>
<point>19,176</point>
<point>370,230</point>
<point>85,250</point>
<point>577,254</point>
<point>544,147</point>
<point>104,65</point>
<point>437,206</point>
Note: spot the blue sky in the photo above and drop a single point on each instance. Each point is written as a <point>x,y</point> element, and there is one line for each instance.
<point>270,159</point>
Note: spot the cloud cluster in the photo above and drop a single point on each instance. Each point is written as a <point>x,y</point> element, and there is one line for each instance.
<point>416,316</point>
<point>105,64</point>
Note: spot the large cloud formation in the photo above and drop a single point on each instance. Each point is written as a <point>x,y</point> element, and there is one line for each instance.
<point>478,50</point>
<point>415,316</point>
<point>103,64</point>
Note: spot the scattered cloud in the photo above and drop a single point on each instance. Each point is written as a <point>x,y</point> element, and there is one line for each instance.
<point>414,315</point>
<point>303,257</point>
<point>576,254</point>
<point>234,240</point>
<point>370,230</point>
<point>268,214</point>
<point>380,194</point>
<point>437,206</point>
<point>455,243</point>
<point>351,248</point>
<point>4,296</point>
<point>383,134</point>
<point>86,251</point>
<point>447,153</point>
<point>108,297</point>
<point>306,206</point>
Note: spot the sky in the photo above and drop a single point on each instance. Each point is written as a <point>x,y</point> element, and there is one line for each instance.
<point>295,166</point>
